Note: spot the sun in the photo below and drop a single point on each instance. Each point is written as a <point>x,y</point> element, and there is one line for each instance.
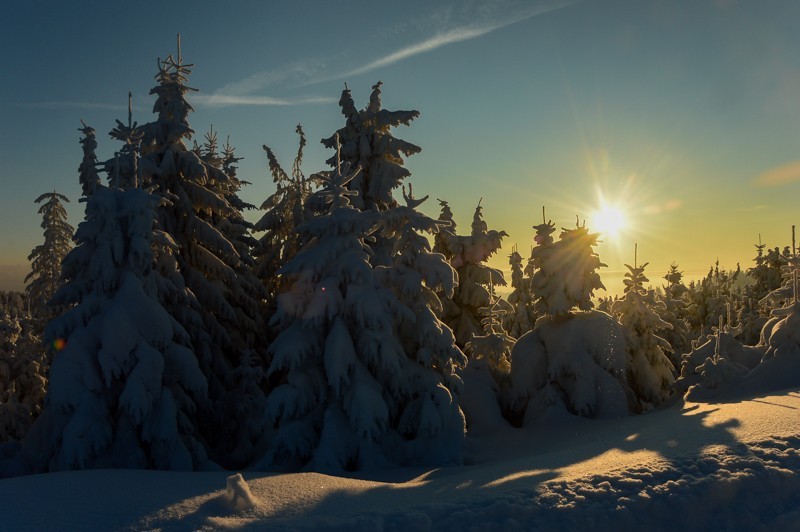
<point>609,220</point>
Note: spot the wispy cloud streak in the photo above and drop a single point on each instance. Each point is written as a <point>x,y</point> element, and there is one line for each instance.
<point>782,175</point>
<point>491,16</point>
<point>223,100</point>
<point>455,35</point>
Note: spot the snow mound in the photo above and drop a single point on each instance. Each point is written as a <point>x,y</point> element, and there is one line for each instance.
<point>237,494</point>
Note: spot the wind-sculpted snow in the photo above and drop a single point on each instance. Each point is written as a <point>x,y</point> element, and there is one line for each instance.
<point>727,466</point>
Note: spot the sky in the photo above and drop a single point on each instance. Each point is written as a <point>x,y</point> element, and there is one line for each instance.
<point>682,113</point>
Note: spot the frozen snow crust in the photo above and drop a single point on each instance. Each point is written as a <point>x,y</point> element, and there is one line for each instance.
<point>692,466</point>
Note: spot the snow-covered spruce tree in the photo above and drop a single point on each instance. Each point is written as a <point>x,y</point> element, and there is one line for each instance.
<point>522,315</point>
<point>565,273</point>
<point>125,386</point>
<point>650,372</point>
<point>446,231</point>
<point>675,313</point>
<point>285,210</point>
<point>751,319</point>
<point>367,141</point>
<point>431,423</point>
<point>487,377</point>
<point>468,255</point>
<point>210,267</point>
<point>783,294</point>
<point>241,422</point>
<point>781,338</point>
<point>88,175</point>
<point>710,297</point>
<point>766,272</point>
<point>716,363</point>
<point>23,376</point>
<point>544,281</point>
<point>45,276</point>
<point>575,358</point>
<point>352,396</point>
<point>445,242</point>
<point>247,292</point>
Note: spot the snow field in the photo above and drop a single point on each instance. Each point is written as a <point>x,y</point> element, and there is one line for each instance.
<point>693,466</point>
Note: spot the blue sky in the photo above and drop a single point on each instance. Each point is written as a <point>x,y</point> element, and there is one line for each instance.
<point>685,113</point>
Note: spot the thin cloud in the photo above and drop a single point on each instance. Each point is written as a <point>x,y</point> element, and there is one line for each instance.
<point>455,35</point>
<point>222,100</point>
<point>311,71</point>
<point>449,37</point>
<point>300,70</point>
<point>782,175</point>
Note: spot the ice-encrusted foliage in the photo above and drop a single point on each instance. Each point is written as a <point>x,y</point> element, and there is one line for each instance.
<point>45,276</point>
<point>202,216</point>
<point>566,271</point>
<point>575,363</point>
<point>124,383</point>
<point>468,255</point>
<point>367,141</point>
<point>650,372</point>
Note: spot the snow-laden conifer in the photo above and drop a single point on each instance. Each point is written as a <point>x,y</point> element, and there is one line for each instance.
<point>23,375</point>
<point>431,422</point>
<point>202,217</point>
<point>88,175</point>
<point>328,410</point>
<point>45,276</point>
<point>575,358</point>
<point>674,313</point>
<point>355,393</point>
<point>492,349</point>
<point>566,271</point>
<point>240,422</point>
<point>285,210</point>
<point>367,141</point>
<point>650,372</point>
<point>521,317</point>
<point>782,338</point>
<point>124,383</point>
<point>468,255</point>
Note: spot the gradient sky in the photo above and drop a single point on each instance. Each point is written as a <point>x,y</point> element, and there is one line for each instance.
<point>685,112</point>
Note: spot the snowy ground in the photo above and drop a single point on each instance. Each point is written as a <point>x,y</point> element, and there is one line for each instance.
<point>724,466</point>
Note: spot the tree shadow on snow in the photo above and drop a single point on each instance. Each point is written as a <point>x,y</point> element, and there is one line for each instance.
<point>521,461</point>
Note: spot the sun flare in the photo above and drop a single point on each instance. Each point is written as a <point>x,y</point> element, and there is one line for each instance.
<point>609,221</point>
